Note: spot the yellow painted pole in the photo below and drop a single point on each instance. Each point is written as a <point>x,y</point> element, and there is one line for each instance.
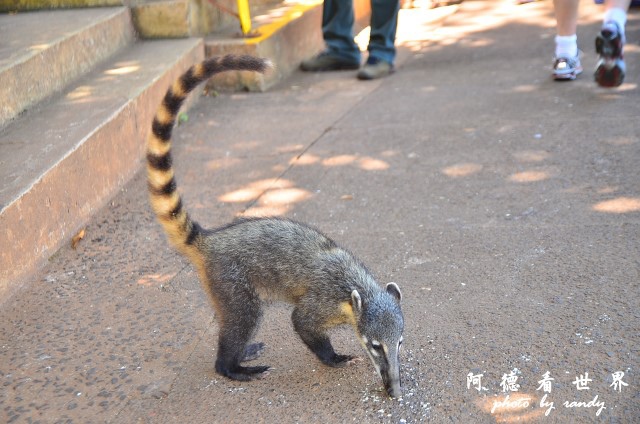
<point>245,16</point>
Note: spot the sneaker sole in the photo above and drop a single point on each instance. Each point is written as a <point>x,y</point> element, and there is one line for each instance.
<point>367,77</point>
<point>568,76</point>
<point>328,68</point>
<point>610,70</point>
<point>609,74</point>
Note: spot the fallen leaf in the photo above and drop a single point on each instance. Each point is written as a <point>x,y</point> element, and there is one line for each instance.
<point>76,239</point>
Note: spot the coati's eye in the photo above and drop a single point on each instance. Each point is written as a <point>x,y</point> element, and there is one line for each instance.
<point>377,346</point>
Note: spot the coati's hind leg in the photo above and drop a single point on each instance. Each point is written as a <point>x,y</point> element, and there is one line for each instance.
<point>316,339</point>
<point>231,352</point>
<point>252,352</point>
<point>238,324</point>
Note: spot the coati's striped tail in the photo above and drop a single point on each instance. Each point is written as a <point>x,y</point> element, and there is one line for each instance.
<point>165,200</point>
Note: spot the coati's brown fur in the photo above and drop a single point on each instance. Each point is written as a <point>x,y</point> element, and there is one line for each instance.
<point>250,260</point>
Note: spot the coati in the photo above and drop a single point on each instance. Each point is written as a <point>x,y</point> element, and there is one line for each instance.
<point>248,261</point>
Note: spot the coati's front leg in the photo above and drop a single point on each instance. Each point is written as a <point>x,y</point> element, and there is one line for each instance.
<point>310,331</point>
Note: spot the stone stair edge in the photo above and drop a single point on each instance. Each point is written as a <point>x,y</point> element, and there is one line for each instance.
<point>35,72</point>
<point>11,6</point>
<point>289,27</point>
<point>13,274</point>
<point>84,167</point>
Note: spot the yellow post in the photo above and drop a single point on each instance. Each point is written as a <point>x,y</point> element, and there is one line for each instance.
<point>245,16</point>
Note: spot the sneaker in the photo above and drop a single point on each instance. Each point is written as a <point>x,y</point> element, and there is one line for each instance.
<point>325,61</point>
<point>566,69</point>
<point>611,68</point>
<point>375,68</point>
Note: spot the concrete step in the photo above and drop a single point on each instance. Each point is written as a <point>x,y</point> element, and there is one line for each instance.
<point>44,51</point>
<point>63,159</point>
<point>156,18</point>
<point>22,5</point>
<point>172,18</point>
<point>189,18</point>
<point>286,33</point>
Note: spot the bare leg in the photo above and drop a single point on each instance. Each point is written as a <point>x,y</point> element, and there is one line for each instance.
<point>620,4</point>
<point>567,60</point>
<point>567,16</point>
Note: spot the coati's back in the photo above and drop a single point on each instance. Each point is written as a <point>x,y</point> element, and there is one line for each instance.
<point>247,260</point>
<point>276,254</point>
<point>285,259</point>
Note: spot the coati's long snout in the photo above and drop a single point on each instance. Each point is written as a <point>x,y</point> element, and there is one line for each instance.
<point>249,258</point>
<point>391,374</point>
<point>380,324</point>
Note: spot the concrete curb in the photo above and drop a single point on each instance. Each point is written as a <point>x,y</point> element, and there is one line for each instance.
<point>105,150</point>
<point>286,40</point>
<point>74,51</point>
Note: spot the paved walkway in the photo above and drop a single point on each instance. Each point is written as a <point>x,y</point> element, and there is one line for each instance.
<point>506,206</point>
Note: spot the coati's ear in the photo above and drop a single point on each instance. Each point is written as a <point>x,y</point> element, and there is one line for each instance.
<point>356,302</point>
<point>394,290</point>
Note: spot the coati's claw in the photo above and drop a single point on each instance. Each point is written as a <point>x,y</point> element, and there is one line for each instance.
<point>253,351</point>
<point>339,361</point>
<point>245,373</point>
<point>354,360</point>
<point>262,374</point>
<point>261,369</point>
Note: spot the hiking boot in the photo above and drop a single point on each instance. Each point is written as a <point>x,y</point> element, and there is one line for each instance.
<point>375,68</point>
<point>566,69</point>
<point>611,68</point>
<point>325,61</point>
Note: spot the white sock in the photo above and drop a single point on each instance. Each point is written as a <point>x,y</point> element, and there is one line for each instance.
<point>617,15</point>
<point>566,46</point>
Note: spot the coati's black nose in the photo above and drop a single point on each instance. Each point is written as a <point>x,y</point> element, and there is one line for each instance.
<point>393,389</point>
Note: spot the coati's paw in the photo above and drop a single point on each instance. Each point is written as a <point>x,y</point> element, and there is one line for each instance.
<point>339,361</point>
<point>253,351</point>
<point>255,371</point>
<point>244,373</point>
<point>353,360</point>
